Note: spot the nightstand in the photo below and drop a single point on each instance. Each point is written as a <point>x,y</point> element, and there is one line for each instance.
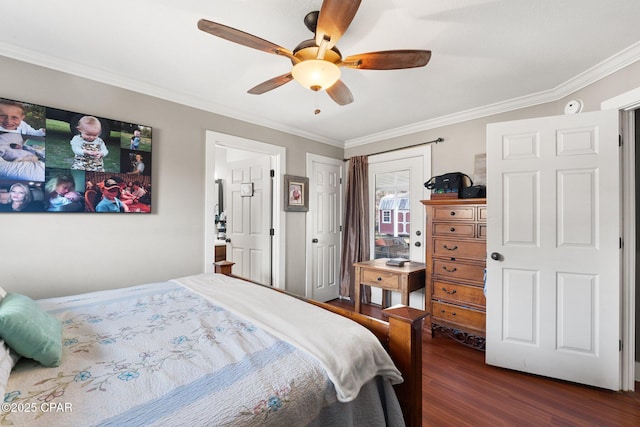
<point>406,279</point>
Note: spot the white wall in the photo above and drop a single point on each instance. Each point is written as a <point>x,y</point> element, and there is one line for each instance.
<point>44,254</point>
<point>47,255</point>
<point>462,141</point>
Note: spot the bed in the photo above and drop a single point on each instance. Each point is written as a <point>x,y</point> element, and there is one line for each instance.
<point>209,350</point>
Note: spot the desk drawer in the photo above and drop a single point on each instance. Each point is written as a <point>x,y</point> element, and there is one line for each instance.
<point>459,315</point>
<point>380,279</point>
<point>454,270</point>
<point>457,249</point>
<point>452,229</point>
<point>458,293</point>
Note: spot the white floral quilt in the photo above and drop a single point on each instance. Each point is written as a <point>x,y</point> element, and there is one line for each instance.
<point>162,355</point>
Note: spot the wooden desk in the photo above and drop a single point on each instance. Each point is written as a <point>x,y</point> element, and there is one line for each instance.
<point>376,273</point>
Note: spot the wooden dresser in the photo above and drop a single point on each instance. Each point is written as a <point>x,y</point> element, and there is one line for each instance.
<point>455,268</point>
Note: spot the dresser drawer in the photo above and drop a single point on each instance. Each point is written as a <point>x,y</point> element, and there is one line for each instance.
<point>458,293</point>
<point>482,213</point>
<point>380,279</point>
<point>482,231</point>
<point>456,249</point>
<point>460,315</point>
<point>453,213</point>
<point>455,270</point>
<point>452,229</point>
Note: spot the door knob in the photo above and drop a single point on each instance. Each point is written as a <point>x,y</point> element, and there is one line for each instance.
<point>418,233</point>
<point>314,240</point>
<point>496,256</point>
<point>417,244</point>
<point>228,240</point>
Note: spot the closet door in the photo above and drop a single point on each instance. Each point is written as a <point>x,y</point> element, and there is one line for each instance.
<point>324,227</point>
<point>553,271</point>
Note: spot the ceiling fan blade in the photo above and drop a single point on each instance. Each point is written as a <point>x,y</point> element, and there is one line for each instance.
<point>340,93</point>
<point>245,39</point>
<point>270,84</point>
<point>335,16</point>
<point>388,60</point>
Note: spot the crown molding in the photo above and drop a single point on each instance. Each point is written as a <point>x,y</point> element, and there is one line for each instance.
<point>605,68</point>
<point>145,88</point>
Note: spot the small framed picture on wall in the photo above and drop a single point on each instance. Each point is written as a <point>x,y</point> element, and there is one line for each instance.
<point>296,193</point>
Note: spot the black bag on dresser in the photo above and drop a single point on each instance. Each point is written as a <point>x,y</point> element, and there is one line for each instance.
<point>453,182</point>
<point>474,192</point>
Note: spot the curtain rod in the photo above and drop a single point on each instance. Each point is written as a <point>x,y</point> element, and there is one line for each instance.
<point>435,141</point>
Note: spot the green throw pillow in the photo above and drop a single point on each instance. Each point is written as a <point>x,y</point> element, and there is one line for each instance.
<point>30,331</point>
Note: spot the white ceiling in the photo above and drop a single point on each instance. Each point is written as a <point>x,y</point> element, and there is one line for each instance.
<point>487,56</point>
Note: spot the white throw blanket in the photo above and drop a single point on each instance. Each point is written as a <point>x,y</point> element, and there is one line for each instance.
<point>339,344</point>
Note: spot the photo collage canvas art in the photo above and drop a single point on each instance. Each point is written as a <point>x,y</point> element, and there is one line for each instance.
<point>53,160</point>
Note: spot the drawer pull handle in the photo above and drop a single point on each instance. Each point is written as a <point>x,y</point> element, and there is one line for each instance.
<point>455,248</point>
<point>452,229</point>
<point>449,292</point>
<point>379,279</point>
<point>453,270</point>
<point>452,213</point>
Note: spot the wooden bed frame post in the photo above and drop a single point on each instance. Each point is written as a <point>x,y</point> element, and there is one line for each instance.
<point>405,347</point>
<point>223,267</point>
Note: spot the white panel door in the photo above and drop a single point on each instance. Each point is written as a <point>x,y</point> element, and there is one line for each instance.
<point>324,221</point>
<point>553,271</point>
<point>248,219</point>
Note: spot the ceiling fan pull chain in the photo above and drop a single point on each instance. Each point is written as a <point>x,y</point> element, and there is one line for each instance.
<point>317,101</point>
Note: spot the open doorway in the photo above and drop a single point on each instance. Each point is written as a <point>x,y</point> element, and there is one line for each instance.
<point>219,145</point>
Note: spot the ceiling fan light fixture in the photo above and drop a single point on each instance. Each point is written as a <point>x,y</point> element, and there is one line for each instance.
<point>316,74</point>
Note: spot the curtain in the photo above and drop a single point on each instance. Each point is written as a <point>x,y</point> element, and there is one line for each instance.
<point>355,236</point>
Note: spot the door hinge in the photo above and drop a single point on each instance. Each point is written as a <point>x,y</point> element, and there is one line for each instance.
<point>272,173</point>
<point>621,243</point>
<point>341,229</point>
<point>619,345</point>
<point>272,232</point>
<point>619,140</point>
<point>340,181</point>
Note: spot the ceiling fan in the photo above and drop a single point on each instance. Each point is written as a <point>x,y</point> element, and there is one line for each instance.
<point>316,62</point>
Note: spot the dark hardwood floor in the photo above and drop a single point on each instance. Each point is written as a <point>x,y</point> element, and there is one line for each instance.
<point>459,389</point>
